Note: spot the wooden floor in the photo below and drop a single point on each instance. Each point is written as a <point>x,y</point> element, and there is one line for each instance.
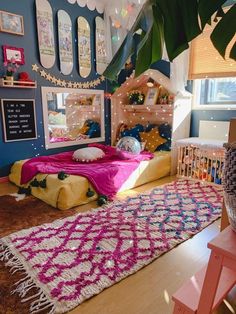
<point>149,291</point>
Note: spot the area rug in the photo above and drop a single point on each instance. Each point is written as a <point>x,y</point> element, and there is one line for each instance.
<point>74,258</point>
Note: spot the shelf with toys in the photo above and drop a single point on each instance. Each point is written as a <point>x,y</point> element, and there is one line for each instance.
<point>135,102</point>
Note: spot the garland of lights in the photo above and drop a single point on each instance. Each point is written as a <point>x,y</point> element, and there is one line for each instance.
<point>63,83</point>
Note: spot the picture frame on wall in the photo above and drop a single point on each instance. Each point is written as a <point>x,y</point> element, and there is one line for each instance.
<point>151,97</point>
<point>15,53</point>
<point>11,23</point>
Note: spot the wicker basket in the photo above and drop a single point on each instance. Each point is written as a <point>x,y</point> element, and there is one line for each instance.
<point>230,183</point>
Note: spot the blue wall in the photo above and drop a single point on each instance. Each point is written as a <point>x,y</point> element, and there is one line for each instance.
<point>10,152</point>
<point>209,115</point>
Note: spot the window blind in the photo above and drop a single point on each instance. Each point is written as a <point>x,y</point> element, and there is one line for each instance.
<point>205,61</point>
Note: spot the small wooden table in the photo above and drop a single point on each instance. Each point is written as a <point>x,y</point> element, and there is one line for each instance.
<point>206,290</point>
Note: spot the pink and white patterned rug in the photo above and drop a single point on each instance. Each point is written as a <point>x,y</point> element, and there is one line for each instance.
<point>72,259</point>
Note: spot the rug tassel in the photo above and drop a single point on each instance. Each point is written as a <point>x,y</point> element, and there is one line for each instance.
<point>41,304</point>
<point>24,285</point>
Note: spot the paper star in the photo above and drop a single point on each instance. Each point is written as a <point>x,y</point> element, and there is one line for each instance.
<point>59,82</point>
<point>63,83</point>
<point>43,73</point>
<point>74,85</point>
<point>35,67</point>
<point>54,80</point>
<point>102,78</point>
<point>48,77</point>
<point>69,84</point>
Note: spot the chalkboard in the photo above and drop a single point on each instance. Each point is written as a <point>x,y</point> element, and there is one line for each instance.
<point>18,119</point>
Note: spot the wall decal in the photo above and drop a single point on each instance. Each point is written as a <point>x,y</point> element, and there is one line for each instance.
<point>45,33</point>
<point>84,47</point>
<point>101,56</point>
<point>63,83</point>
<point>19,122</point>
<point>11,23</point>
<point>91,4</point>
<point>65,42</point>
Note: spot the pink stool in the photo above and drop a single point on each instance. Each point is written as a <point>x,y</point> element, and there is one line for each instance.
<point>206,290</point>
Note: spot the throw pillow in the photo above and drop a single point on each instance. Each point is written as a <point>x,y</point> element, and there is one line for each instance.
<point>152,139</point>
<point>88,154</point>
<point>134,132</point>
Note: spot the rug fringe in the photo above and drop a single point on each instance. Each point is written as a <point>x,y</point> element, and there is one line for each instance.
<point>26,284</point>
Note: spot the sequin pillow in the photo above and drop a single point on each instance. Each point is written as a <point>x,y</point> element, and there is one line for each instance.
<point>88,154</point>
<point>152,139</point>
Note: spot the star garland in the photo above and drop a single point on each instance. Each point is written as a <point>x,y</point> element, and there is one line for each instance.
<point>64,83</point>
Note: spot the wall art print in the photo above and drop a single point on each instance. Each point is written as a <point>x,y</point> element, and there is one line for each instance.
<point>65,42</point>
<point>84,47</point>
<point>101,57</point>
<point>11,23</point>
<point>45,33</point>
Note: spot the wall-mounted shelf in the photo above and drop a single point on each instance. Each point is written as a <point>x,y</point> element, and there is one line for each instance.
<point>17,84</point>
<point>139,108</point>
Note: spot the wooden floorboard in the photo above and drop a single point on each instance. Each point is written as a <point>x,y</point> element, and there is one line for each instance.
<point>149,291</point>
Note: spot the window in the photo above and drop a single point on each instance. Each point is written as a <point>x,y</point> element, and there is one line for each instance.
<point>215,91</point>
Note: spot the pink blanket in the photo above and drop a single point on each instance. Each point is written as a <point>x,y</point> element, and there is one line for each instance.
<point>107,175</point>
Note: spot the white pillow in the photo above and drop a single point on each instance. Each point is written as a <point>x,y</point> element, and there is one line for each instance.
<point>88,154</point>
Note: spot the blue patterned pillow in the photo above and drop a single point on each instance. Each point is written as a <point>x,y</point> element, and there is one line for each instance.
<point>165,147</point>
<point>134,132</point>
<point>165,131</point>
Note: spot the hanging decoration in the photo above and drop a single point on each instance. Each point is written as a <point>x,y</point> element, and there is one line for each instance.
<point>63,83</point>
<point>84,47</point>
<point>65,42</point>
<point>101,56</point>
<point>45,33</point>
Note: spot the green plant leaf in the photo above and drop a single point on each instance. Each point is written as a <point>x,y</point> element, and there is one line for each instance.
<point>225,26</point>
<point>207,8</point>
<point>152,49</point>
<point>180,24</point>
<point>232,54</point>
<point>144,22</point>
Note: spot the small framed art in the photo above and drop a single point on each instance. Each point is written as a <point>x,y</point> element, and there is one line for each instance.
<point>15,53</point>
<point>11,23</point>
<point>151,97</point>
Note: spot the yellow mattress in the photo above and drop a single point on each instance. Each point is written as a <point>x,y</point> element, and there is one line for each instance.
<point>72,191</point>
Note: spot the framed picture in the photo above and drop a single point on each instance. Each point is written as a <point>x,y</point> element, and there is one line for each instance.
<point>13,52</point>
<point>151,96</point>
<point>19,121</point>
<point>11,23</point>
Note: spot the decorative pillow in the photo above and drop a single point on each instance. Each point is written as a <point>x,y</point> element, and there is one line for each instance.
<point>88,154</point>
<point>152,139</point>
<point>165,147</point>
<point>165,130</point>
<point>134,132</point>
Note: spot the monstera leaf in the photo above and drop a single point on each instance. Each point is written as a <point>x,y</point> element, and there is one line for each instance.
<point>175,23</point>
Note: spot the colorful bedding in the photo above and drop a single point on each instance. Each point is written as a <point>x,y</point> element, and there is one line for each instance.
<point>72,191</point>
<point>107,175</point>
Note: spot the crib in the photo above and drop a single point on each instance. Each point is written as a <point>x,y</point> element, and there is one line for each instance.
<point>200,159</point>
